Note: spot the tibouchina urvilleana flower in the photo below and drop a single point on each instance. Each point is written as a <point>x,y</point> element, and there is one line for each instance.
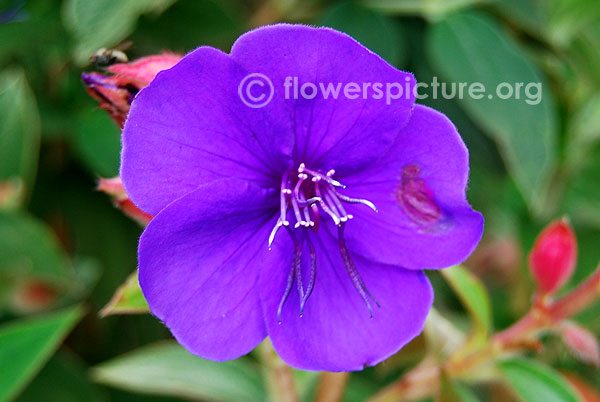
<point>309,219</point>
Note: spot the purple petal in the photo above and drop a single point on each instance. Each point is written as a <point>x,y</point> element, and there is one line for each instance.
<point>344,134</point>
<point>189,127</point>
<point>336,332</point>
<point>199,260</point>
<point>424,219</point>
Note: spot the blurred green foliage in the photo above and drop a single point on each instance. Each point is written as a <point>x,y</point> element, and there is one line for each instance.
<point>63,244</point>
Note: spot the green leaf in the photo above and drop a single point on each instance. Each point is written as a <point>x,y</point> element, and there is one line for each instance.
<point>28,248</point>
<point>103,23</point>
<point>368,28</point>
<point>474,297</point>
<point>584,130</point>
<point>28,343</point>
<point>11,194</point>
<point>128,299</point>
<point>443,337</point>
<point>63,379</point>
<point>98,143</point>
<point>465,393</point>
<point>452,391</point>
<point>166,368</point>
<point>582,195</point>
<point>469,48</point>
<point>20,128</point>
<point>534,382</point>
<point>431,9</point>
<point>570,17</point>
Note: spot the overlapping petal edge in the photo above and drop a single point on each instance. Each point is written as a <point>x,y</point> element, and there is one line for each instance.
<point>210,168</point>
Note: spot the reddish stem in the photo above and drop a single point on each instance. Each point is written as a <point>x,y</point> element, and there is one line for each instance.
<point>576,300</point>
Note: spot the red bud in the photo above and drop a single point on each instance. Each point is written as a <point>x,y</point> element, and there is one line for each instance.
<point>581,342</point>
<point>552,259</point>
<point>114,188</point>
<point>116,92</point>
<point>33,295</point>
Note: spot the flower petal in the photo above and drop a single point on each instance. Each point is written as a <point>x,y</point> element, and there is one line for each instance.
<point>189,127</point>
<point>199,264</point>
<point>424,219</point>
<point>343,133</point>
<point>336,332</point>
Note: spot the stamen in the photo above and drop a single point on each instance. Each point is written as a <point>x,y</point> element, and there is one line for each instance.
<point>325,207</point>
<point>325,196</point>
<point>309,202</point>
<point>288,289</point>
<point>296,208</point>
<point>326,177</point>
<point>282,200</point>
<point>313,274</point>
<point>343,214</point>
<point>307,217</point>
<point>356,201</point>
<point>295,274</point>
<point>301,199</point>
<point>274,232</point>
<point>316,218</point>
<point>357,281</point>
<point>332,206</point>
<point>301,178</point>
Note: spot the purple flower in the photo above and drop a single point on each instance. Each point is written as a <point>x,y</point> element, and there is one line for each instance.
<point>307,220</point>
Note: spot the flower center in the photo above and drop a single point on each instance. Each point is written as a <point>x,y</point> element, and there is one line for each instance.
<point>304,195</point>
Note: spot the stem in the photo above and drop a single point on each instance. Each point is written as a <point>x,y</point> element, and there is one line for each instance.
<point>419,383</point>
<point>331,387</point>
<point>279,376</point>
<point>423,380</point>
<point>578,299</point>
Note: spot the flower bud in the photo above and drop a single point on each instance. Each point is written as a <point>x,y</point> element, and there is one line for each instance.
<point>116,92</point>
<point>31,295</point>
<point>552,259</point>
<point>114,188</point>
<point>581,342</point>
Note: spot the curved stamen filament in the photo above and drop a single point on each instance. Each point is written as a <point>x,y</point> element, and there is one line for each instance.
<point>323,204</point>
<point>357,281</point>
<point>313,273</point>
<point>282,200</point>
<point>296,209</point>
<point>294,275</point>
<point>274,232</point>
<point>338,207</point>
<point>326,177</point>
<point>350,200</point>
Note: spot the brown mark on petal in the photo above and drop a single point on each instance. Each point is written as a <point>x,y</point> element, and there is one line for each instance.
<point>416,198</point>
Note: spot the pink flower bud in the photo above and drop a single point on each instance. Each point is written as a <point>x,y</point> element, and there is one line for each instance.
<point>32,295</point>
<point>114,188</point>
<point>581,342</point>
<point>116,92</point>
<point>552,259</point>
